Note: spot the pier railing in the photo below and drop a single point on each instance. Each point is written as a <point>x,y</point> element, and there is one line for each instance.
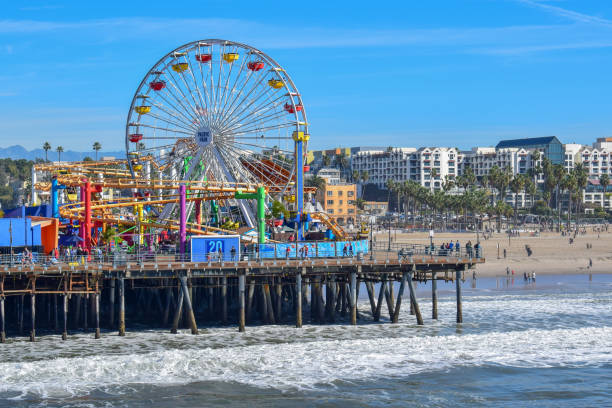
<point>260,253</point>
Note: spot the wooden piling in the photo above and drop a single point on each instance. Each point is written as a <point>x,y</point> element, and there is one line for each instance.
<point>400,294</point>
<point>241,302</point>
<point>111,303</point>
<point>85,301</point>
<point>2,316</point>
<point>65,321</point>
<point>458,288</point>
<point>434,296</point>
<point>298,298</point>
<point>33,311</point>
<point>279,299</point>
<point>268,301</point>
<point>121,306</point>
<point>224,299</point>
<point>381,294</point>
<point>188,307</point>
<point>177,313</point>
<point>353,298</point>
<point>413,298</point>
<point>389,296</point>
<point>370,290</point>
<point>97,311</point>
<point>55,317</point>
<point>250,296</point>
<point>20,314</point>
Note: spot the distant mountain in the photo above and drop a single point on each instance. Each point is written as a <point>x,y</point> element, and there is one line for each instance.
<point>19,152</point>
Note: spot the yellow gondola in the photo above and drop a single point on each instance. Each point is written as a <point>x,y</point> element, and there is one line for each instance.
<point>72,197</point>
<point>180,67</point>
<point>142,110</point>
<point>231,57</point>
<point>276,83</point>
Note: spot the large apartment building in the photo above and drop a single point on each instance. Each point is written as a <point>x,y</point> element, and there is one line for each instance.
<point>428,166</point>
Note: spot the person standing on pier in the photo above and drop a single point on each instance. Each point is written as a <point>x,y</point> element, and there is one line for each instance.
<point>233,253</point>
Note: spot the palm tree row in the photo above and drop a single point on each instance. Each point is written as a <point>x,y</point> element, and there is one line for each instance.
<point>59,149</point>
<point>487,194</point>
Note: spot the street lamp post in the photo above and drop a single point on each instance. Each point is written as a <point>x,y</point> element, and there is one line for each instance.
<point>389,246</point>
<point>371,239</point>
<point>11,241</point>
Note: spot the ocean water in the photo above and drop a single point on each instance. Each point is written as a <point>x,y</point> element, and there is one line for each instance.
<point>547,344</point>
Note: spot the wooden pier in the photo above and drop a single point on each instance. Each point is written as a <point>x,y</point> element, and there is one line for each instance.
<point>168,294</point>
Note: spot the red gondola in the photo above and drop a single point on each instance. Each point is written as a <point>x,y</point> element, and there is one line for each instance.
<point>157,85</point>
<point>204,57</point>
<point>255,65</point>
<point>135,137</point>
<point>289,108</point>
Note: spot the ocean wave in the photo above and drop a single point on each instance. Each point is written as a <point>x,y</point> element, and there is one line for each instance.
<point>297,365</point>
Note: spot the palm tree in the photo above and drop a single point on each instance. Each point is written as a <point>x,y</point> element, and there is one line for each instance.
<point>434,174</point>
<point>59,150</point>
<point>46,148</point>
<point>316,181</point>
<point>390,184</point>
<point>582,179</point>
<point>97,147</point>
<point>569,184</point>
<point>604,180</point>
<point>516,186</point>
<point>326,160</point>
<point>355,176</point>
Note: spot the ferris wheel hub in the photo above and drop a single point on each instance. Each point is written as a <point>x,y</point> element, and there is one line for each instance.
<point>204,136</point>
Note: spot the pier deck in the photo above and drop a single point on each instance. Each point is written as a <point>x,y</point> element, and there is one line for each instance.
<point>163,292</point>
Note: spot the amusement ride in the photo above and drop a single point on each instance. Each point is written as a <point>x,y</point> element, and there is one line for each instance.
<point>216,132</point>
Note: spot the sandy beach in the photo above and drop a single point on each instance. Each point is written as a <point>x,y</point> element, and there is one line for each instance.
<point>552,253</point>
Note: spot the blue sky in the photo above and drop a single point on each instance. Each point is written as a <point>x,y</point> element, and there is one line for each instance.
<point>404,73</point>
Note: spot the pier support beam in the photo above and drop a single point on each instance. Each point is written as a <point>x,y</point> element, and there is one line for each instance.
<point>298,299</point>
<point>353,298</point>
<point>458,287</point>
<point>224,300</point>
<point>111,300</point>
<point>434,296</point>
<point>381,294</point>
<point>33,311</point>
<point>398,304</point>
<point>188,307</point>
<point>121,306</point>
<point>413,299</point>
<point>177,313</point>
<point>2,319</point>
<point>241,301</point>
<point>65,310</point>
<point>2,315</point>
<point>97,311</point>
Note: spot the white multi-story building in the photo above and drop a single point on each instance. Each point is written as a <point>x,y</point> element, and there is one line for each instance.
<point>428,166</point>
<point>482,159</point>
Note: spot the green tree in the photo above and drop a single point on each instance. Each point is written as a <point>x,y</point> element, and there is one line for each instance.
<point>59,150</point>
<point>316,181</point>
<point>46,148</point>
<point>604,180</point>
<point>516,186</point>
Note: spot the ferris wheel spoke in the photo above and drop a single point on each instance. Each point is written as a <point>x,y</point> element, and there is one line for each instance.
<point>264,107</point>
<point>261,129</point>
<point>165,129</point>
<point>260,121</point>
<point>172,113</point>
<point>170,122</point>
<point>239,76</point>
<point>174,83</point>
<point>183,114</point>
<point>234,165</point>
<point>257,117</point>
<point>255,86</point>
<point>233,116</point>
<point>203,101</point>
<point>225,87</point>
<point>186,112</point>
<point>189,89</point>
<point>218,90</point>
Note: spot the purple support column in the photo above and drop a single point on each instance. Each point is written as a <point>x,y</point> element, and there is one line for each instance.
<point>183,219</point>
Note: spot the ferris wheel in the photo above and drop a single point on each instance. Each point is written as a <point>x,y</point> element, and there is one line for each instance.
<point>217,110</point>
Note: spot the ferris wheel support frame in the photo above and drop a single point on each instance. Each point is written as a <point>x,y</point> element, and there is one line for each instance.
<point>299,186</point>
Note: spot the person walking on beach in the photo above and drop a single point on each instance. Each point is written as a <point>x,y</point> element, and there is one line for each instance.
<point>533,276</point>
<point>590,263</point>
